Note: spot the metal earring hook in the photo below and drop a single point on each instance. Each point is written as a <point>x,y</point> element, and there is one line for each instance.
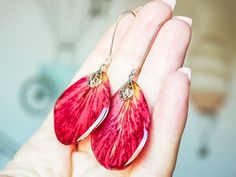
<point>135,72</point>
<point>108,60</point>
<point>117,23</point>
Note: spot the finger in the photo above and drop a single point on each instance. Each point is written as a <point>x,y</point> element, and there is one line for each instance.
<point>101,51</point>
<point>131,50</point>
<point>166,56</point>
<point>170,114</point>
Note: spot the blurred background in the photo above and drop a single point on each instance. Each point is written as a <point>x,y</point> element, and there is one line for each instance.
<point>44,42</point>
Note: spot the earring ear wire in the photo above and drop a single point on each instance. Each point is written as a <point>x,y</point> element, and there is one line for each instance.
<point>116,27</point>
<point>135,72</point>
<point>108,60</point>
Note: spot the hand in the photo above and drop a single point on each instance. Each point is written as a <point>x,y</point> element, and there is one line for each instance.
<point>164,83</point>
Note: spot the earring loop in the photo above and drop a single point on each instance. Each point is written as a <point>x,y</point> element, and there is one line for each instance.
<point>117,23</point>
<point>108,60</point>
<point>137,70</point>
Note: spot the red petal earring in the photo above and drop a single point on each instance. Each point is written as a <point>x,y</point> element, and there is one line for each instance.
<point>85,104</point>
<point>124,132</point>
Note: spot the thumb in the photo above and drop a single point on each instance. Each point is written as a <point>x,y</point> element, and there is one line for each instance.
<point>42,155</point>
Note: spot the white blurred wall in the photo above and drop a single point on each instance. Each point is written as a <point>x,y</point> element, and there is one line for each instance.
<point>26,42</point>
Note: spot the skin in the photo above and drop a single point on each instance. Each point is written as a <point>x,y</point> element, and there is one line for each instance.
<point>166,90</point>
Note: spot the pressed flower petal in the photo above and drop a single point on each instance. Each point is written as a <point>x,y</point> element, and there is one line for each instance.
<point>80,109</point>
<point>124,132</point>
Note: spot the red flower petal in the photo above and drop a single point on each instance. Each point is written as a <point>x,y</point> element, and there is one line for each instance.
<point>80,109</point>
<point>123,134</point>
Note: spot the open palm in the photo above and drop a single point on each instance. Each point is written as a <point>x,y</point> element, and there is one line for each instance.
<point>163,81</point>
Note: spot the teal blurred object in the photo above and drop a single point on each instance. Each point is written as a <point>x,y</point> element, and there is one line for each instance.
<point>60,73</point>
<point>38,93</point>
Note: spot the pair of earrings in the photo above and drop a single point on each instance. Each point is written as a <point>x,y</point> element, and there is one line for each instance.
<point>118,125</point>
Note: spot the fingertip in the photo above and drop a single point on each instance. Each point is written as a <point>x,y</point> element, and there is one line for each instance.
<point>171,3</point>
<point>178,30</point>
<point>186,71</point>
<point>188,20</point>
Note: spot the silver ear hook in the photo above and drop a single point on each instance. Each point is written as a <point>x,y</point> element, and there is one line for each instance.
<point>135,72</point>
<point>107,62</point>
<point>117,23</point>
<point>127,90</point>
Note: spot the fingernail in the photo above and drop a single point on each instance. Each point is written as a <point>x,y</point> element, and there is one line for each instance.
<point>171,3</point>
<point>186,71</point>
<point>138,9</point>
<point>185,19</point>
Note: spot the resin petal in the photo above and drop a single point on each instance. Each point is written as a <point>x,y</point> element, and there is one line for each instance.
<point>124,132</point>
<point>80,109</point>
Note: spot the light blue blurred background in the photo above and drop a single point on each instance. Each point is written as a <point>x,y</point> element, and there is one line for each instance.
<point>38,59</point>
